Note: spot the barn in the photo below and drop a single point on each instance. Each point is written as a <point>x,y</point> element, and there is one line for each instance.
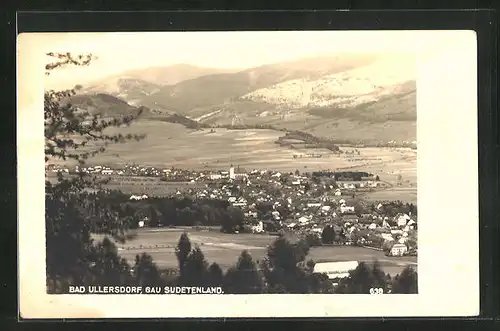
<point>335,270</point>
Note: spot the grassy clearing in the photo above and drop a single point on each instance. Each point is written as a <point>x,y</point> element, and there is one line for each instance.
<point>225,249</point>
<point>406,195</point>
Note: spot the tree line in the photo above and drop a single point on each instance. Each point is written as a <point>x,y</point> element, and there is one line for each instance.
<point>285,269</point>
<point>343,175</point>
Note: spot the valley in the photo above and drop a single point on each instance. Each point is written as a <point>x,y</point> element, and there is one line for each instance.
<point>368,98</point>
<point>353,112</point>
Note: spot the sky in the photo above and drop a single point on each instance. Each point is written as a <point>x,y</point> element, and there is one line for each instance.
<point>118,52</point>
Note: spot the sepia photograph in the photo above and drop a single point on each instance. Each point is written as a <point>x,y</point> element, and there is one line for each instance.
<point>238,163</point>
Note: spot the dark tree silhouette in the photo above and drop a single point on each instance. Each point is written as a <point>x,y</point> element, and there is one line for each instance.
<point>182,252</point>
<point>215,275</point>
<point>406,282</point>
<point>362,279</point>
<point>106,267</point>
<point>146,272</point>
<point>71,214</point>
<point>232,220</point>
<point>244,278</point>
<point>313,240</point>
<point>195,269</point>
<point>328,235</point>
<point>281,267</point>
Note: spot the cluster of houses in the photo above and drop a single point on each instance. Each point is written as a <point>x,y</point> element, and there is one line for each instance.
<point>298,203</point>
<point>138,197</point>
<point>309,211</point>
<point>362,184</point>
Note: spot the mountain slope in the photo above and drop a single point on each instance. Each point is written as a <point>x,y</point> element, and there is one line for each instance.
<point>129,89</point>
<point>134,86</point>
<point>349,88</point>
<point>105,105</point>
<point>212,90</point>
<point>171,75</point>
<point>356,97</point>
<point>379,91</point>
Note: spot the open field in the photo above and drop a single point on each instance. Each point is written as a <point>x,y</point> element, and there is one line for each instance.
<point>173,145</point>
<point>170,145</point>
<point>347,129</point>
<point>408,195</point>
<point>225,249</point>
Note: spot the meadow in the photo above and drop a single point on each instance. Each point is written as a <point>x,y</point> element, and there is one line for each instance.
<point>169,144</point>
<point>225,249</point>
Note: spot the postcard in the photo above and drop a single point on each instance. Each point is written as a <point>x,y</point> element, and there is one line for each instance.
<point>248,174</point>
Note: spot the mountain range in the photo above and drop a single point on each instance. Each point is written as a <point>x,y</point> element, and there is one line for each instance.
<point>362,96</point>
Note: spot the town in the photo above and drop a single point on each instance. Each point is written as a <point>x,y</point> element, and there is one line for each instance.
<point>325,207</point>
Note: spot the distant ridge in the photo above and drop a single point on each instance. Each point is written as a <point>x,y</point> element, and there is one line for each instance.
<point>352,96</point>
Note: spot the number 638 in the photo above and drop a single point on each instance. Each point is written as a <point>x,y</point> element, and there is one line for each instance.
<point>376,290</point>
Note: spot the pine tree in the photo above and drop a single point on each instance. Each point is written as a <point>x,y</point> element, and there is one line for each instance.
<point>195,270</point>
<point>146,272</point>
<point>182,252</point>
<point>362,279</point>
<point>282,267</point>
<point>244,278</point>
<point>406,282</point>
<point>215,275</point>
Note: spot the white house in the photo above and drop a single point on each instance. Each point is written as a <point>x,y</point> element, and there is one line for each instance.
<point>326,208</point>
<point>138,197</point>
<point>215,176</point>
<point>346,209</point>
<point>259,228</point>
<point>317,230</point>
<point>337,192</point>
<point>402,219</point>
<point>303,220</point>
<point>313,204</point>
<point>372,226</point>
<point>251,214</point>
<point>398,250</point>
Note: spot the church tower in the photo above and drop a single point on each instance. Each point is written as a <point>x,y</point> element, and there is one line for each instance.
<point>231,172</point>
